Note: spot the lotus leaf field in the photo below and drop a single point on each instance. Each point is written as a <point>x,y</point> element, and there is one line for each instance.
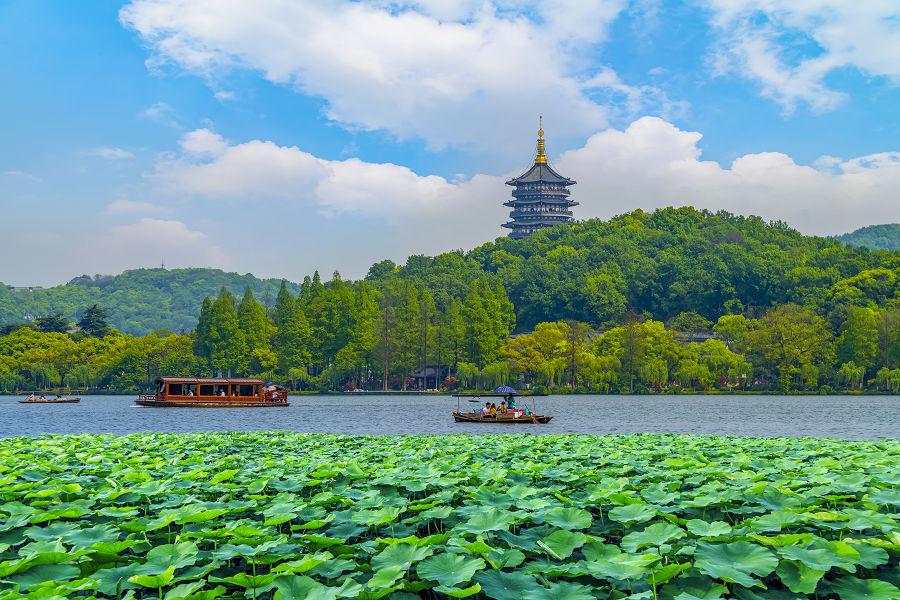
<point>555,517</point>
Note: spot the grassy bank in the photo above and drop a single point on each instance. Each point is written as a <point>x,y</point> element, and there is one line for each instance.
<point>505,517</point>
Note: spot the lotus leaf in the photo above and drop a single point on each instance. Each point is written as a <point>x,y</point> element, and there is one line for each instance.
<point>735,562</point>
<point>654,535</point>
<point>502,585</point>
<point>632,513</point>
<point>854,588</point>
<point>400,555</point>
<point>798,577</point>
<point>43,573</point>
<point>561,591</point>
<point>385,577</point>
<point>569,518</point>
<point>157,580</point>
<point>449,570</point>
<point>560,544</point>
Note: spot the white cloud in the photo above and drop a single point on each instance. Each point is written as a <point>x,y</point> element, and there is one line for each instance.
<point>224,95</point>
<point>653,164</point>
<point>466,73</point>
<point>203,143</point>
<point>24,175</point>
<point>468,211</point>
<point>789,47</point>
<point>131,207</point>
<point>111,153</point>
<point>148,242</point>
<point>162,112</point>
<point>636,100</point>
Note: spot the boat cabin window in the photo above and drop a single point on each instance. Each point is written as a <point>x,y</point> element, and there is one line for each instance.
<point>175,389</point>
<point>206,390</point>
<point>222,390</point>
<point>161,388</point>
<point>245,390</point>
<point>189,389</point>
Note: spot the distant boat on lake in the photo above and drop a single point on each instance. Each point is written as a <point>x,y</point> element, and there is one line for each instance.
<point>55,400</point>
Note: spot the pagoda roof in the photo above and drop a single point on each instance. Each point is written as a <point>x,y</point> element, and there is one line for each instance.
<point>540,172</point>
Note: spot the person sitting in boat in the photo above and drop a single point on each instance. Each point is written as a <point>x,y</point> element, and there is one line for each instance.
<point>31,397</point>
<point>493,410</point>
<point>43,397</point>
<point>486,411</point>
<point>221,392</point>
<point>503,407</point>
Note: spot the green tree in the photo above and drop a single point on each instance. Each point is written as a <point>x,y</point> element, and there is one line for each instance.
<point>95,322</point>
<point>258,332</point>
<point>858,340</point>
<point>293,338</point>
<point>692,324</point>
<point>228,346</point>
<point>489,319</point>
<point>203,335</point>
<point>55,323</point>
<point>792,339</point>
<point>889,337</point>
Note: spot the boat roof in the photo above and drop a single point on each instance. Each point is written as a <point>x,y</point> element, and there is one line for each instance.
<point>207,380</point>
<point>494,394</point>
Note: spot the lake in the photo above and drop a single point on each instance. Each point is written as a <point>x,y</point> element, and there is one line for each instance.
<point>849,417</point>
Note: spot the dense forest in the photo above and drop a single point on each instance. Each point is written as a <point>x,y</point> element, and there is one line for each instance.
<point>675,300</point>
<point>877,237</point>
<point>138,301</point>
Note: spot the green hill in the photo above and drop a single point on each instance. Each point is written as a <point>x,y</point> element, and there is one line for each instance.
<point>658,264</point>
<point>877,237</point>
<point>138,301</point>
<point>664,263</point>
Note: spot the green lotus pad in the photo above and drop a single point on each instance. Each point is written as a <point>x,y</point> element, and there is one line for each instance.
<point>313,516</point>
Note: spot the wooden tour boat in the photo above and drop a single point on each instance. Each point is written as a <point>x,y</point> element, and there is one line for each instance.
<point>195,392</point>
<point>57,400</point>
<point>514,416</point>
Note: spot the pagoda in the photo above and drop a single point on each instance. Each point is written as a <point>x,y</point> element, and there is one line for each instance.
<point>540,198</point>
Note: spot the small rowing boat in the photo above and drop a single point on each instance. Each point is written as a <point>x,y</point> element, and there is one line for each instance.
<point>512,416</point>
<point>60,400</point>
<point>515,418</point>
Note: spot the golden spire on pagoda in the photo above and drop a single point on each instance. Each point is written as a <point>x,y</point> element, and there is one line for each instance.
<point>541,156</point>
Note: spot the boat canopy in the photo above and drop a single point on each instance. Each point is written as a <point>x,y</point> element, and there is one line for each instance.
<point>214,380</point>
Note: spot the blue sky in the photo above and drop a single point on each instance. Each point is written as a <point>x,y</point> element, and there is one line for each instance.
<point>277,138</point>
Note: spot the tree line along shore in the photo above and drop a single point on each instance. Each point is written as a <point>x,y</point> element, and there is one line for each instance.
<point>678,300</point>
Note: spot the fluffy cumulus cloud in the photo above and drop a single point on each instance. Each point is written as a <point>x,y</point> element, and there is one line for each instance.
<point>648,165</point>
<point>451,73</point>
<point>789,47</point>
<point>285,179</point>
<point>653,164</point>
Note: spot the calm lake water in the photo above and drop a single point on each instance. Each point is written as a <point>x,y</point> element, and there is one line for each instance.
<point>850,417</point>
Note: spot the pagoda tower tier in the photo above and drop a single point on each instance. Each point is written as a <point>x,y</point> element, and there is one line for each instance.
<point>540,198</point>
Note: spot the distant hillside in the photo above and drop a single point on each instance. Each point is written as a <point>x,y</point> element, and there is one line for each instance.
<point>660,264</point>
<point>138,301</point>
<point>877,237</point>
